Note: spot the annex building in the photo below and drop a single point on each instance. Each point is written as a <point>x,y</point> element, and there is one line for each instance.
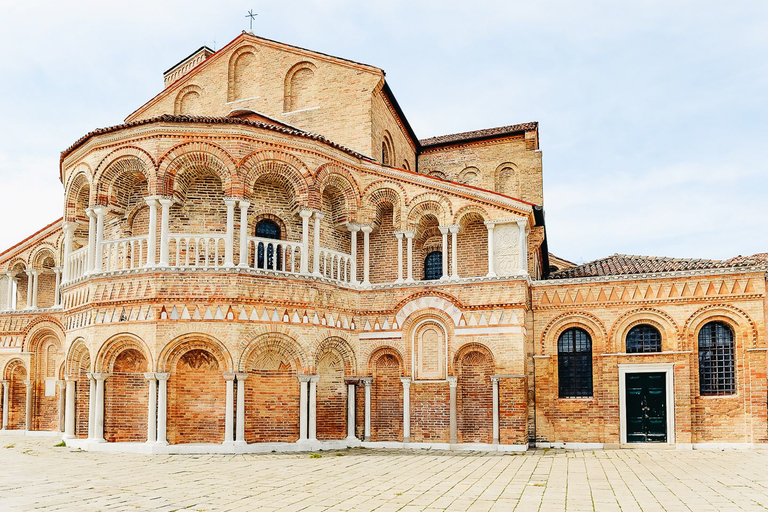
<point>264,256</point>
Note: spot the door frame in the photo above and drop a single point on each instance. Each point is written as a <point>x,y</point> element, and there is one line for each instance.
<point>666,368</point>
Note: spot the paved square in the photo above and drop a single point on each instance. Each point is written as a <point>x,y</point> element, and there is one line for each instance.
<point>38,476</point>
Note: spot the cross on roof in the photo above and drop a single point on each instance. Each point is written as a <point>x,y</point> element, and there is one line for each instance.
<point>252,15</point>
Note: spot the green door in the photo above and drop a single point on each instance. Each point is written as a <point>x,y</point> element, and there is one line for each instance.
<point>646,408</point>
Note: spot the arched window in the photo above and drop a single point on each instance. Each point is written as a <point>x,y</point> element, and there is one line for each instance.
<point>384,153</point>
<point>266,228</point>
<point>717,372</point>
<point>643,338</point>
<point>574,363</point>
<point>433,266</point>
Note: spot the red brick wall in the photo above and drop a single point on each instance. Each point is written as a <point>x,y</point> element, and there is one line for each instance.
<point>126,399</point>
<point>387,400</point>
<point>17,405</point>
<point>45,414</point>
<point>474,399</point>
<point>472,249</point>
<point>271,399</point>
<point>331,398</point>
<point>360,411</point>
<point>196,400</point>
<point>430,412</point>
<point>513,411</point>
<point>383,251</point>
<point>82,398</point>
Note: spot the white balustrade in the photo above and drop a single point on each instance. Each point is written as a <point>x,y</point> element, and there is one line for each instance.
<point>123,254</point>
<point>196,251</point>
<point>274,255</point>
<point>336,265</point>
<point>77,263</point>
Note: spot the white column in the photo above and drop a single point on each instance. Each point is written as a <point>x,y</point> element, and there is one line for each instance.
<point>30,286</point>
<point>351,411</point>
<point>366,255</point>
<point>399,236</point>
<point>152,234</point>
<point>99,422</point>
<point>240,412</point>
<point>316,248</point>
<point>491,264</point>
<point>303,399</point>
<point>6,387</point>
<point>353,229</point>
<point>165,210</point>
<point>90,262</point>
<point>35,286</point>
<point>69,232</point>
<point>151,408</point>
<point>28,409</point>
<point>454,230</point>
<point>91,406</point>
<point>229,408</point>
<point>495,381</point>
<point>312,434</point>
<point>69,413</point>
<point>244,205</point>
<point>162,407</point>
<point>409,259</point>
<point>523,225</point>
<point>229,241</point>
<point>453,425</point>
<point>367,381</point>
<point>61,387</point>
<point>406,409</point>
<point>444,251</point>
<point>100,212</point>
<point>305,215</point>
<point>57,289</point>
<point>9,294</point>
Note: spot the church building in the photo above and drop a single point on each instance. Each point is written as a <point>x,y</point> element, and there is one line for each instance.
<point>265,257</point>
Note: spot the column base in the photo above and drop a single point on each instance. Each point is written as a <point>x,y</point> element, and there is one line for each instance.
<point>407,439</point>
<point>161,443</point>
<point>241,443</point>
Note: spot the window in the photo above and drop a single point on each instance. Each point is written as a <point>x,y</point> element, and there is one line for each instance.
<point>717,374</point>
<point>433,266</point>
<point>574,363</point>
<point>643,338</point>
<point>268,229</point>
<point>384,153</point>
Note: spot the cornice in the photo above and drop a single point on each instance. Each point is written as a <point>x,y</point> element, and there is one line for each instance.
<point>674,300</point>
<point>651,276</point>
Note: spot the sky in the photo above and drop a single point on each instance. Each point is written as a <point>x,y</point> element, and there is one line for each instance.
<point>653,115</point>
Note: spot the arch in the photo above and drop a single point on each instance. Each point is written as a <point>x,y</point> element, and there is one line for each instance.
<point>470,210</point>
<point>115,345</point>
<point>332,175</point>
<point>282,167</point>
<point>276,342</point>
<point>429,203</point>
<point>298,89</point>
<point>341,347</point>
<point>174,350</point>
<point>40,253</point>
<point>334,359</point>
<point>40,329</point>
<point>78,356</point>
<point>384,350</point>
<point>657,318</point>
<point>575,363</point>
<point>744,328</point>
<point>240,63</point>
<point>196,155</point>
<point>386,365</point>
<point>387,150</point>
<point>405,165</point>
<point>16,373</point>
<point>469,176</point>
<point>75,172</point>
<point>716,351</point>
<point>381,193</point>
<point>507,179</point>
<point>474,365</point>
<point>78,197</point>
<point>586,321</point>
<point>127,159</point>
<point>11,366</point>
<point>187,100</point>
<point>472,346</point>
<point>445,303</point>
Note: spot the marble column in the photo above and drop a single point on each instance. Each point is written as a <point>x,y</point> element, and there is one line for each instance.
<point>229,407</point>
<point>152,232</point>
<point>244,205</point>
<point>35,286</point>
<point>100,212</point>
<point>6,393</point>
<point>366,255</point>
<point>304,264</point>
<point>240,410</point>
<point>69,233</point>
<point>91,261</point>
<point>28,409</point>
<point>312,434</point>
<point>409,258</point>
<point>303,406</point>
<point>452,382</point>
<point>151,408</point>
<point>91,406</point>
<point>162,407</point>
<point>69,413</point>
<point>491,263</point>
<point>99,422</point>
<point>367,382</point>
<point>406,409</point>
<point>353,229</point>
<point>9,292</point>
<point>444,251</point>
<point>351,389</point>
<point>30,288</point>
<point>316,244</point>
<point>57,289</point>
<point>495,381</point>
<point>61,388</point>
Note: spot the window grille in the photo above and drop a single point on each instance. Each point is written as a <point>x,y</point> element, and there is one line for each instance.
<point>717,372</point>
<point>268,229</point>
<point>643,338</point>
<point>574,363</point>
<point>433,265</point>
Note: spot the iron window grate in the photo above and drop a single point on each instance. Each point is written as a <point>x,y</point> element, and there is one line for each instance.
<point>574,363</point>
<point>643,338</point>
<point>717,369</point>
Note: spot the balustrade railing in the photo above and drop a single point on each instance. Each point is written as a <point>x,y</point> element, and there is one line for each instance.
<point>125,253</point>
<point>196,251</point>
<point>336,265</point>
<point>76,264</point>
<point>274,255</point>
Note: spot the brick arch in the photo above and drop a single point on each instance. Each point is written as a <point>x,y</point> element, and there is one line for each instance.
<point>744,328</point>
<point>429,203</point>
<point>662,321</point>
<point>342,348</point>
<point>508,184</point>
<point>334,360</point>
<point>17,395</point>
<point>472,346</point>
<point>178,103</point>
<point>79,185</point>
<point>278,342</point>
<point>255,217</point>
<point>78,356</point>
<point>472,211</point>
<point>284,168</point>
<point>114,346</point>
<point>332,175</point>
<point>290,97</point>
<point>582,319</point>
<point>39,253</point>
<point>11,366</point>
<point>232,72</point>
<point>474,365</point>
<point>380,193</point>
<point>127,159</point>
<point>173,351</point>
<point>197,155</point>
<point>42,326</point>
<point>386,350</point>
<point>447,304</point>
<point>386,366</point>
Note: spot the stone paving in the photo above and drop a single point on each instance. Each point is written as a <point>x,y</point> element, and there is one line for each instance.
<point>38,476</point>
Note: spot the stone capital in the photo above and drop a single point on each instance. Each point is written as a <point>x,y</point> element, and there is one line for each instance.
<point>150,376</point>
<point>5,382</point>
<point>409,234</point>
<point>444,230</point>
<point>231,201</point>
<point>69,227</point>
<point>241,376</point>
<point>495,378</point>
<point>306,213</point>
<point>406,381</point>
<point>453,382</point>
<point>314,378</point>
<point>101,376</point>
<point>319,214</point>
<point>352,227</point>
<point>303,378</point>
<point>399,234</point>
<point>228,376</point>
<point>162,376</point>
<point>367,381</point>
<point>27,382</point>
<point>100,209</point>
<point>366,229</point>
<point>165,201</point>
<point>453,229</point>
<point>151,200</point>
<point>244,203</point>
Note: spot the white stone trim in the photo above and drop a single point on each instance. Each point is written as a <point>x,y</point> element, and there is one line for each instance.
<point>669,369</point>
<point>654,275</point>
<point>569,445</point>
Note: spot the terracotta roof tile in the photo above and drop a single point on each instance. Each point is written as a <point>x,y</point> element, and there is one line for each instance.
<point>624,264</point>
<point>478,134</point>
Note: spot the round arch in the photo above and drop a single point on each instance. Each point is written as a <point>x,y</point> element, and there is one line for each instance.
<point>179,346</point>
<point>115,345</point>
<point>197,154</point>
<point>660,320</point>
<point>582,319</point>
